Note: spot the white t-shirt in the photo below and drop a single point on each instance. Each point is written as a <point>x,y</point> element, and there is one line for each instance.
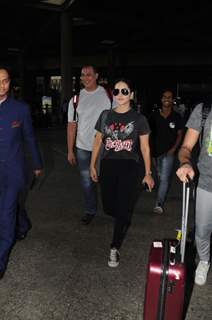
<point>90,106</point>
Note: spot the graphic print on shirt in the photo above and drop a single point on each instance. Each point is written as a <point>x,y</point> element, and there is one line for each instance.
<point>118,136</point>
<point>172,125</point>
<point>209,143</point>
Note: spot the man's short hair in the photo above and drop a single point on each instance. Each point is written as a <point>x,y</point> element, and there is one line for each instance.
<point>167,89</point>
<point>90,66</point>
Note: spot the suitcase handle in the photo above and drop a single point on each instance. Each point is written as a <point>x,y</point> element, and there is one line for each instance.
<point>185,206</point>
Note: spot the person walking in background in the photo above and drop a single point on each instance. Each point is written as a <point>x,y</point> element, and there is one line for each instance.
<point>166,126</point>
<point>16,128</point>
<point>125,134</point>
<point>203,214</point>
<point>93,99</point>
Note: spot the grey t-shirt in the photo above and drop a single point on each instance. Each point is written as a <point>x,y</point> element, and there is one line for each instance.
<point>90,106</point>
<point>205,157</point>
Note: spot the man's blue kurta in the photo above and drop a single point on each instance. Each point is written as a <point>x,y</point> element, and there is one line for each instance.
<point>15,131</point>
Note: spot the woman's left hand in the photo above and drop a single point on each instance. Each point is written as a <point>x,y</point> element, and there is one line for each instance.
<point>149,181</point>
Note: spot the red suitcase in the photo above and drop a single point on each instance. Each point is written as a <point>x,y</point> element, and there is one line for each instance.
<point>166,275</point>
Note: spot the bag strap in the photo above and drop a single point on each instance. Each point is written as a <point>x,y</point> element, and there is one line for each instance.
<point>163,280</point>
<point>75,104</point>
<point>206,108</point>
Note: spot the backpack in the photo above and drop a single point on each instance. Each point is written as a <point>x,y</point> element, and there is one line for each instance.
<point>76,101</point>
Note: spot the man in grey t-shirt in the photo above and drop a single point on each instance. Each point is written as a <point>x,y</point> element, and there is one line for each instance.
<point>203,220</point>
<point>93,99</point>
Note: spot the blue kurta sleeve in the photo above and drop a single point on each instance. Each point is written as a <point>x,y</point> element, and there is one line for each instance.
<point>29,138</point>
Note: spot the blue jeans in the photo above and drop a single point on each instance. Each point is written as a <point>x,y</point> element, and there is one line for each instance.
<point>164,165</point>
<point>88,186</point>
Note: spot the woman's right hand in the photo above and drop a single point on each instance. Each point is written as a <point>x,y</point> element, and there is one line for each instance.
<point>93,174</point>
<point>149,181</point>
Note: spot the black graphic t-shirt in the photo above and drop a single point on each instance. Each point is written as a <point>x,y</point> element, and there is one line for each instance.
<point>121,133</point>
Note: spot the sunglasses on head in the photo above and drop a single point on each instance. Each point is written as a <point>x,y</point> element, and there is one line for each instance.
<point>123,91</point>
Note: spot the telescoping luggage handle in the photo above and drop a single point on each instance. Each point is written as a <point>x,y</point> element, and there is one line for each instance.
<point>185,206</point>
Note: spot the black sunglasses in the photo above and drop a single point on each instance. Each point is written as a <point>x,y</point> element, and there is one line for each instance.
<point>123,91</point>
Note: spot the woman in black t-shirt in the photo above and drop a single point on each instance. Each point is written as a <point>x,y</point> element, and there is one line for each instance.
<point>125,135</point>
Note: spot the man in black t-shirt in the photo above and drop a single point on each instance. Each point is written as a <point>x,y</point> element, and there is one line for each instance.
<point>166,126</point>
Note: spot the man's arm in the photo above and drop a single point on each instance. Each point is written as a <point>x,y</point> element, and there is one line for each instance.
<point>71,136</point>
<point>185,170</point>
<point>145,150</point>
<point>29,138</point>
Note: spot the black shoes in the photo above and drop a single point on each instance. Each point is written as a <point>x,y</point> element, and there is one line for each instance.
<point>87,218</point>
<point>21,236</point>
